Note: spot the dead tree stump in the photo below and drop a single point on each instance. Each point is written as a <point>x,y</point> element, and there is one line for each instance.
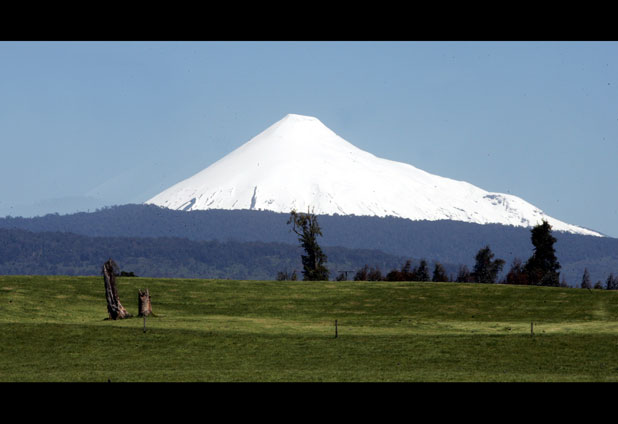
<point>114,307</point>
<point>143,303</point>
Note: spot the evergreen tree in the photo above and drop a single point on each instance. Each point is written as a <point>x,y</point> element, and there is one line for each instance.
<point>485,269</point>
<point>421,273</point>
<point>542,267</point>
<point>463,275</point>
<point>307,228</point>
<point>368,274</point>
<point>612,282</point>
<point>439,273</point>
<point>586,280</point>
<point>516,274</point>
<point>403,274</point>
<point>406,273</point>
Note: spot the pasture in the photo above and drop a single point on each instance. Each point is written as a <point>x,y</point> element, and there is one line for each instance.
<point>55,329</point>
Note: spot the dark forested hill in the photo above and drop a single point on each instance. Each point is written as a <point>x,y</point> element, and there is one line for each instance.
<point>444,241</point>
<point>53,253</point>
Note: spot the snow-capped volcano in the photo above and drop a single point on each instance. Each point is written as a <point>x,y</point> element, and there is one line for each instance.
<point>298,163</point>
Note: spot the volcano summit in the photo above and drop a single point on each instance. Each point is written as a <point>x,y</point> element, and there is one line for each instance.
<point>299,163</point>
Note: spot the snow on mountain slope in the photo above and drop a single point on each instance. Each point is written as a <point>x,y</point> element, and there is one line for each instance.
<point>299,163</point>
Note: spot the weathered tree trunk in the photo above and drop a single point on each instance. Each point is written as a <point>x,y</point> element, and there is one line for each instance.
<point>114,307</point>
<point>143,303</point>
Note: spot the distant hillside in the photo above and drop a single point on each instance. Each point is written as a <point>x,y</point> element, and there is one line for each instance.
<point>58,253</point>
<point>450,242</point>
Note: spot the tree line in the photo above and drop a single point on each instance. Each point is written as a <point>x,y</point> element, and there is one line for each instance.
<point>486,270</point>
<point>541,269</point>
<point>611,283</point>
<point>449,242</point>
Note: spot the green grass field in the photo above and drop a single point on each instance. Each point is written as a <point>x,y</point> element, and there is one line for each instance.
<point>55,329</point>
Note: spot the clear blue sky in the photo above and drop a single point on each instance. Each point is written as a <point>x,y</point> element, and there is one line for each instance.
<point>103,123</point>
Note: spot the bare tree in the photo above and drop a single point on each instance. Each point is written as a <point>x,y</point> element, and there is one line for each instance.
<point>143,303</point>
<point>114,307</point>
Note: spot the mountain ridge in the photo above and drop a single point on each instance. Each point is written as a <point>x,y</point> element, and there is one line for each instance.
<point>299,163</point>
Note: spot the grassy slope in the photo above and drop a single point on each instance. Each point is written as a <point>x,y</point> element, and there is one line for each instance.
<point>55,329</point>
